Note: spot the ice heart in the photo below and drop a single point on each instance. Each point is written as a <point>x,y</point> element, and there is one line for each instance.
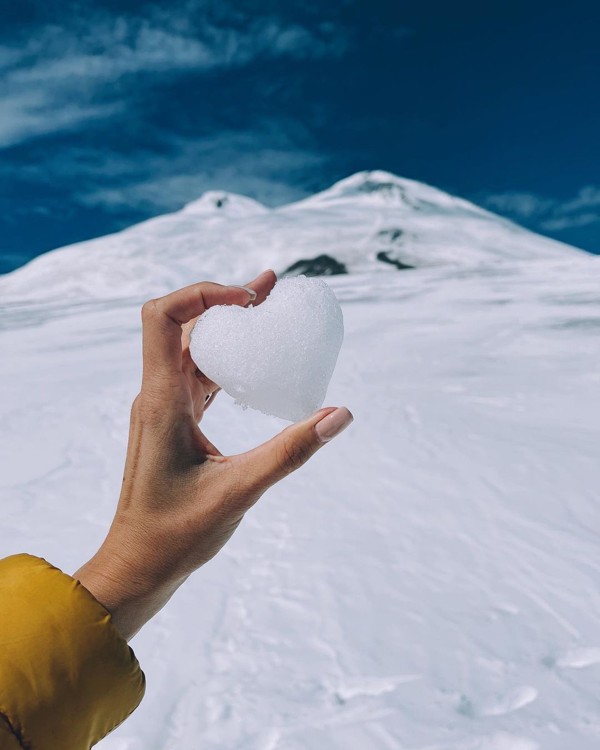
<point>277,357</point>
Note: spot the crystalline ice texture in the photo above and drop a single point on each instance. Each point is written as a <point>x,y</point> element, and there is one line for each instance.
<point>277,357</point>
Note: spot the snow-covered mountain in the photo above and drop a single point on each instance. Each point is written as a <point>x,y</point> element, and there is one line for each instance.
<point>431,579</point>
<point>372,222</point>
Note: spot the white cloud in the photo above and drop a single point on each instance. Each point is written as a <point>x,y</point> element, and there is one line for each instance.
<point>171,192</point>
<point>151,50</point>
<point>54,81</point>
<point>270,162</point>
<point>257,163</point>
<point>548,213</point>
<point>32,113</point>
<point>518,204</point>
<point>587,197</point>
<point>570,222</point>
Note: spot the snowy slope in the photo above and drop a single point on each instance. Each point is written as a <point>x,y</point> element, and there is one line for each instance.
<point>431,579</point>
<point>224,236</point>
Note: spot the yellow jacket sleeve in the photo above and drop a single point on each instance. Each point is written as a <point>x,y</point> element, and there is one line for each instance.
<point>67,677</point>
<point>8,740</point>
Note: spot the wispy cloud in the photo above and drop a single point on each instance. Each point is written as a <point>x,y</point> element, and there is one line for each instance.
<point>33,112</point>
<point>523,205</point>
<point>67,76</point>
<point>269,161</point>
<point>570,222</point>
<point>587,197</point>
<point>101,78</point>
<point>258,163</point>
<point>550,214</point>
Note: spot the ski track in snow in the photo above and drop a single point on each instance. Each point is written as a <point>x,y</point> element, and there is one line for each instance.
<point>430,581</point>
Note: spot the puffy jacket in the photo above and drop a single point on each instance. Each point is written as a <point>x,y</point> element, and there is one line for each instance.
<point>67,676</point>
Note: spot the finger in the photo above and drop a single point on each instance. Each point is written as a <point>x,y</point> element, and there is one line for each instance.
<point>162,320</point>
<point>201,389</point>
<point>263,285</point>
<point>292,448</point>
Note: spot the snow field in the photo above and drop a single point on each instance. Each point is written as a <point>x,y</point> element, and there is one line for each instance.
<point>429,581</point>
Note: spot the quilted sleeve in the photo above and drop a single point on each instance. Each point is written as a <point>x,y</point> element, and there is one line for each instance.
<point>67,676</point>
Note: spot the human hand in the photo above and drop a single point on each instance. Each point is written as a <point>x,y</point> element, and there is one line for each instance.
<point>182,499</point>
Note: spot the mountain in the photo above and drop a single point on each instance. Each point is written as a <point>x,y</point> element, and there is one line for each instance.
<point>430,578</point>
<point>372,222</point>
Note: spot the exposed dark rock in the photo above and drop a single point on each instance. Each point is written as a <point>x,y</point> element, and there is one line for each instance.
<point>376,186</point>
<point>385,258</point>
<point>322,265</point>
<point>392,235</point>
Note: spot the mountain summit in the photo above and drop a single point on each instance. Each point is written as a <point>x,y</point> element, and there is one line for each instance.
<point>216,203</point>
<point>372,222</point>
<point>387,189</point>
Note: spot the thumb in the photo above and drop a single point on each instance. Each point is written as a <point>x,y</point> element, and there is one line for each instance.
<point>286,452</point>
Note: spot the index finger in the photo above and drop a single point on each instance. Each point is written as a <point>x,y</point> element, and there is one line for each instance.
<point>162,319</point>
<point>262,286</point>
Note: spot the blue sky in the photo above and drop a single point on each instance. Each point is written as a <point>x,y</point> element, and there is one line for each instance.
<point>112,112</point>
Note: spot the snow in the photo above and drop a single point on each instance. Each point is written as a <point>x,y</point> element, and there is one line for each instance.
<point>415,224</point>
<point>430,579</point>
<point>277,357</point>
<point>221,205</point>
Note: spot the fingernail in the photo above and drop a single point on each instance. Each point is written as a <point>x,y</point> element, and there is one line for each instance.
<point>334,423</point>
<point>251,292</point>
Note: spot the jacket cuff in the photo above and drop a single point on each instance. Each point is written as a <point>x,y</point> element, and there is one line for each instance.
<point>67,676</point>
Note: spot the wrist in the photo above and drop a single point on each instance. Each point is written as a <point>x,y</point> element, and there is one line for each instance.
<point>129,596</point>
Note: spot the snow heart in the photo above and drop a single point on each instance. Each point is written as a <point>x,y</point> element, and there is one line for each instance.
<point>277,357</point>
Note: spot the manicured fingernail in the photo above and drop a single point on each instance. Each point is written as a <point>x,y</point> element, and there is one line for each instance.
<point>334,423</point>
<point>251,292</point>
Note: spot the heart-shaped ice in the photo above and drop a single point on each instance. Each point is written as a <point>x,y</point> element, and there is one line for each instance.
<point>277,357</point>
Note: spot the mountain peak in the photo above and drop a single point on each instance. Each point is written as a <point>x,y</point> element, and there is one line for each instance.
<point>380,188</point>
<point>219,202</point>
<point>372,222</point>
<point>369,182</point>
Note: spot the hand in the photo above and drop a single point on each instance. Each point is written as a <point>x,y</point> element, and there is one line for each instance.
<point>182,499</point>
